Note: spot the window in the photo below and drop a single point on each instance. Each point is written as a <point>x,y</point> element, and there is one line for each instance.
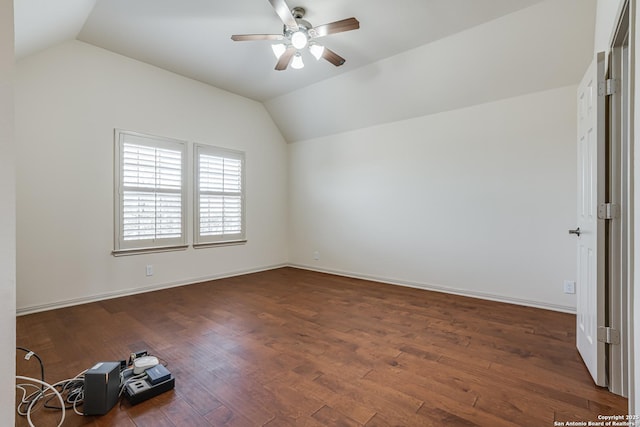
<point>219,195</point>
<point>150,193</point>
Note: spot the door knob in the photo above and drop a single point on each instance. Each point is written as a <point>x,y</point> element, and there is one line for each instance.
<point>576,231</point>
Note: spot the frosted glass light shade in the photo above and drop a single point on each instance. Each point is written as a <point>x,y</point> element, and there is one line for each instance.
<point>278,49</point>
<point>316,50</point>
<point>299,40</point>
<point>296,62</point>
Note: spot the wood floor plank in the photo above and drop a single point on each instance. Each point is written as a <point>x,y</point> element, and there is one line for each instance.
<point>341,402</point>
<point>223,416</point>
<point>330,417</point>
<point>290,347</point>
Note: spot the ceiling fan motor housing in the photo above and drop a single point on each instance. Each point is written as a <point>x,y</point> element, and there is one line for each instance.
<point>304,28</point>
<point>298,12</point>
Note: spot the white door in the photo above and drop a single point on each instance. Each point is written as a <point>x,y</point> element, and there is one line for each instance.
<point>590,287</point>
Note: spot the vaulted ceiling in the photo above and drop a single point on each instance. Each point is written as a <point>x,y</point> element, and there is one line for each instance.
<point>409,57</point>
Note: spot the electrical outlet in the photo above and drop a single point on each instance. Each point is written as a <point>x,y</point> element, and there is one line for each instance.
<point>149,270</point>
<point>569,287</point>
<point>316,255</point>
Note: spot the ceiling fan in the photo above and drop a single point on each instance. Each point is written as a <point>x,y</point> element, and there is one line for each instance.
<point>299,34</point>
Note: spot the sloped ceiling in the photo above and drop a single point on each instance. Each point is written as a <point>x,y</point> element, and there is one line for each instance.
<point>543,47</point>
<point>409,58</point>
<point>40,24</point>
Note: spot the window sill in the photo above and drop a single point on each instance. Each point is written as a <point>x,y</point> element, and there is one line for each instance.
<point>125,252</point>
<point>214,244</point>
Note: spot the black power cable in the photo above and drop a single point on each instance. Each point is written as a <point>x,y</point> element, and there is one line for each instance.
<point>28,356</point>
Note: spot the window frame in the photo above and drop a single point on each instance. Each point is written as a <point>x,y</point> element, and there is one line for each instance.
<point>127,247</point>
<point>223,239</point>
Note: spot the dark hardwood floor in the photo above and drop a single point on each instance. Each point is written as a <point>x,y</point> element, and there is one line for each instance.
<point>293,347</point>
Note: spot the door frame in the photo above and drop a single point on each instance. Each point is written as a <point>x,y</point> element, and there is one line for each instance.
<point>619,230</point>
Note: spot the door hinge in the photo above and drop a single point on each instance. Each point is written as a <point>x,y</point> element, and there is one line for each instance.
<point>608,335</point>
<point>608,87</point>
<point>608,211</point>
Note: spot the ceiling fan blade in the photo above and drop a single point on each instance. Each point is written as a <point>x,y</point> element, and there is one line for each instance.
<point>336,27</point>
<point>284,12</point>
<point>251,37</point>
<point>333,57</point>
<point>285,58</point>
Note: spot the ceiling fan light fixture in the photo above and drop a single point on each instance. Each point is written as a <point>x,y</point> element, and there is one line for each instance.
<point>316,50</point>
<point>299,35</point>
<point>296,62</point>
<point>278,49</point>
<point>299,39</point>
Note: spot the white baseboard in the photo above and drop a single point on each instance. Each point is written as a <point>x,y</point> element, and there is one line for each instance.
<point>126,292</point>
<point>426,286</point>
<point>443,289</point>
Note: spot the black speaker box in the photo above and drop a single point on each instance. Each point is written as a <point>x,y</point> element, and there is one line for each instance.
<point>101,388</point>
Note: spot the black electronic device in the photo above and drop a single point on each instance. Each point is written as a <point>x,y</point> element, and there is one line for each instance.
<point>140,390</point>
<point>101,388</point>
<point>157,374</point>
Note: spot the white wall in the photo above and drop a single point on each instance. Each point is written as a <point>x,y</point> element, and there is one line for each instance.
<point>7,217</point>
<point>476,200</point>
<point>69,99</point>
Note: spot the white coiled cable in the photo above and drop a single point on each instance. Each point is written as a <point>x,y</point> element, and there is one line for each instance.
<point>48,386</point>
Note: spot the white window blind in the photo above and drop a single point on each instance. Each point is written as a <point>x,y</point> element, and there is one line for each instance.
<point>151,189</point>
<point>219,177</point>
